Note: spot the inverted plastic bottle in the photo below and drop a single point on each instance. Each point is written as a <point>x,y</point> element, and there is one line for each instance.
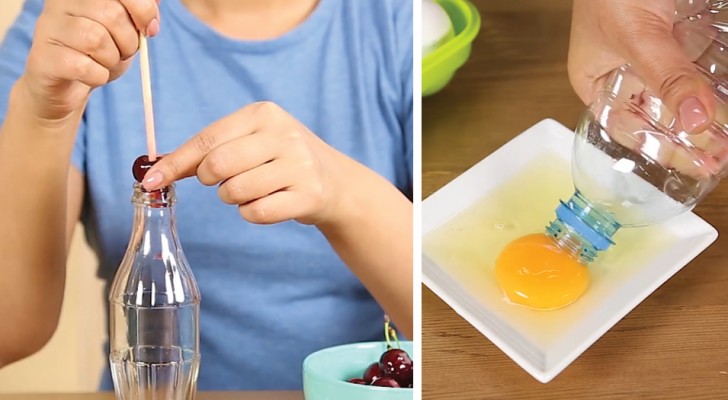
<point>633,164</point>
<point>154,308</point>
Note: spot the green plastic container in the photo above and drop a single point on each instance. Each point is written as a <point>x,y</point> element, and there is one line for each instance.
<point>325,373</point>
<point>439,67</point>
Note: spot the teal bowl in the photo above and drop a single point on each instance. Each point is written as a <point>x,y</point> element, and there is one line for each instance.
<point>325,373</point>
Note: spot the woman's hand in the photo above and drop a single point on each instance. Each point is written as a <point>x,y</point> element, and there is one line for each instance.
<point>606,34</point>
<point>265,162</point>
<point>274,169</point>
<point>79,45</point>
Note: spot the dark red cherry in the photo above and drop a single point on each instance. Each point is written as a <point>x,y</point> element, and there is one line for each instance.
<point>397,364</point>
<point>386,381</point>
<point>372,372</point>
<point>141,166</point>
<point>357,381</point>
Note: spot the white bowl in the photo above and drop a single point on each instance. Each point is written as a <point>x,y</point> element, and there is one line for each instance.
<point>544,343</point>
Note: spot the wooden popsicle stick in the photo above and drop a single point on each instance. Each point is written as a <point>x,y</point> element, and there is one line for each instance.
<point>147,97</point>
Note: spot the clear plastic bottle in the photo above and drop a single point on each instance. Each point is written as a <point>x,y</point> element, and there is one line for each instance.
<point>633,163</point>
<point>154,308</point>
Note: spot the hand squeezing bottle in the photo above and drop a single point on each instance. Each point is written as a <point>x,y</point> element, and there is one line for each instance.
<point>633,165</point>
<point>154,306</point>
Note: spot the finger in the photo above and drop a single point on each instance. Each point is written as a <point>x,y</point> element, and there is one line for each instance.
<point>184,162</point>
<point>257,183</point>
<point>73,65</point>
<point>588,65</point>
<point>694,37</point>
<point>145,14</point>
<point>694,8</point>
<point>692,162</point>
<point>116,19</point>
<point>236,156</point>
<point>277,207</point>
<point>708,150</point>
<point>119,69</point>
<point>658,58</point>
<point>87,37</point>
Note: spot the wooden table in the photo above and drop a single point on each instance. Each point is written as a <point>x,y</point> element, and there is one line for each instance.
<point>200,396</point>
<point>672,346</point>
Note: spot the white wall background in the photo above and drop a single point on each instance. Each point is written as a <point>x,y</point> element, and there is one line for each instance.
<point>73,359</point>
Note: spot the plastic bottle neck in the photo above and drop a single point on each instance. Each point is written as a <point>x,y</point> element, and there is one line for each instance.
<point>162,198</point>
<point>154,224</point>
<point>581,230</point>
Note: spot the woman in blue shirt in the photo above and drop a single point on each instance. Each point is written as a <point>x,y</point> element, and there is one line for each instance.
<point>294,116</point>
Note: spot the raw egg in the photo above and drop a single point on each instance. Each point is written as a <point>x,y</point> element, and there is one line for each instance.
<point>534,272</point>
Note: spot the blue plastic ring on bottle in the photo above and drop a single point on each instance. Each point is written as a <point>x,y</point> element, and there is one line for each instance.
<point>598,240</point>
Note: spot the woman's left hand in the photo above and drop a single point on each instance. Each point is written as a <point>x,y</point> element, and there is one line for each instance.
<point>265,161</point>
<point>275,169</point>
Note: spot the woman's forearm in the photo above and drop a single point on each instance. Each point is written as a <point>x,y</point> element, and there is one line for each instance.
<point>34,162</point>
<point>374,238</point>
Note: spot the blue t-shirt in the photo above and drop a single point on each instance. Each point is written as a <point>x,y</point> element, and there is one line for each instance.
<point>270,294</point>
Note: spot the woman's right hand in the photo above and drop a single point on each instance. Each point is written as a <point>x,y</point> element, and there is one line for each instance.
<point>606,34</point>
<point>79,45</point>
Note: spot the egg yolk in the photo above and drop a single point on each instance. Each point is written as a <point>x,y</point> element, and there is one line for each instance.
<point>534,272</point>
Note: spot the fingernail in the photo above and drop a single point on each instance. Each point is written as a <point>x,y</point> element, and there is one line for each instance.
<point>153,27</point>
<point>153,180</point>
<point>692,114</point>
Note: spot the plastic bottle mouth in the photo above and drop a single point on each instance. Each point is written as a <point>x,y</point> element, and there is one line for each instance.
<point>163,197</point>
<point>582,230</point>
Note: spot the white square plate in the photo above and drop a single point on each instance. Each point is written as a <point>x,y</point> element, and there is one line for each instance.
<point>545,342</point>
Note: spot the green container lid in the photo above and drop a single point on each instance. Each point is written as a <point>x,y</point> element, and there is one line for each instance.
<point>440,65</point>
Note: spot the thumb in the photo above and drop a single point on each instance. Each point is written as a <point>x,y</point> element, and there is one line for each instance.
<point>658,58</point>
<point>167,169</point>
